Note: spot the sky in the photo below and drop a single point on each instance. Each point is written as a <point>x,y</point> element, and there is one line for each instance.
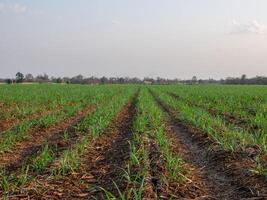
<point>135,38</point>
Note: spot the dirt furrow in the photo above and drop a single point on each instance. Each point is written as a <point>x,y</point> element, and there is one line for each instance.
<point>14,158</point>
<point>155,166</point>
<point>102,163</point>
<point>224,175</point>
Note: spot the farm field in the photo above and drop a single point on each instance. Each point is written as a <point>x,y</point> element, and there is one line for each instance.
<point>133,142</point>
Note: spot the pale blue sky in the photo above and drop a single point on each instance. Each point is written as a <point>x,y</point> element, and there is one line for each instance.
<point>167,38</point>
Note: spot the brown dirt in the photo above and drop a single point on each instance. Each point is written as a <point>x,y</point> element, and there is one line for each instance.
<point>14,158</point>
<point>151,182</point>
<point>156,168</point>
<point>224,175</point>
<point>101,164</point>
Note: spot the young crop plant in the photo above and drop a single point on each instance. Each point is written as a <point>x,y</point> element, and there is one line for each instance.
<point>94,125</point>
<point>23,175</point>
<point>148,127</point>
<point>172,162</point>
<point>40,161</point>
<point>252,131</point>
<point>4,185</point>
<point>138,164</point>
<point>228,137</point>
<point>69,160</point>
<point>82,97</point>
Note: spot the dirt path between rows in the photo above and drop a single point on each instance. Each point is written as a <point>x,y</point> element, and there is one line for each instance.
<point>101,164</point>
<point>224,175</point>
<point>14,158</point>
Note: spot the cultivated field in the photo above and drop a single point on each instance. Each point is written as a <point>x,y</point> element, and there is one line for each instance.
<point>133,142</point>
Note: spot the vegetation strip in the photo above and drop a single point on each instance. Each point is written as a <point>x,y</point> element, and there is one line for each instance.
<point>225,169</point>
<point>59,137</point>
<point>109,142</point>
<point>109,170</point>
<point>14,159</point>
<point>229,118</point>
<point>9,124</point>
<point>69,162</point>
<point>153,166</point>
<point>172,171</point>
<point>244,106</point>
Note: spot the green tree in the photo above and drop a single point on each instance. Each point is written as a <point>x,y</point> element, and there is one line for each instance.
<point>19,77</point>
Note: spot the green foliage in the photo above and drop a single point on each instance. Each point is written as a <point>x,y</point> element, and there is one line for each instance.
<point>261,169</point>
<point>40,161</point>
<point>4,184</point>
<point>246,105</point>
<point>23,175</point>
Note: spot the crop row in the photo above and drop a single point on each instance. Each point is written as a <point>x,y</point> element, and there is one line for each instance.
<point>50,160</point>
<point>228,136</point>
<point>152,166</point>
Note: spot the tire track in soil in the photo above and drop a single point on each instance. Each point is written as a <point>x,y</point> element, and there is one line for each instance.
<point>101,164</point>
<point>115,157</point>
<point>194,184</point>
<point>155,165</point>
<point>227,117</point>
<point>224,175</point>
<point>13,159</point>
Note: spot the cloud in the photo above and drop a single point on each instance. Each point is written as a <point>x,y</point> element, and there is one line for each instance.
<point>115,22</point>
<point>18,8</point>
<point>253,27</point>
<point>13,8</point>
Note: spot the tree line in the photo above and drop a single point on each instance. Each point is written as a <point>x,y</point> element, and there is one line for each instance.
<point>80,79</point>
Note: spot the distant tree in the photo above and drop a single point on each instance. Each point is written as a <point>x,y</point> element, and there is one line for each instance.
<point>66,80</point>
<point>121,80</point>
<point>29,78</point>
<point>200,81</point>
<point>259,79</point>
<point>77,79</point>
<point>222,81</point>
<point>42,78</point>
<point>103,80</point>
<point>56,80</point>
<point>19,77</point>
<point>194,80</point>
<point>243,79</point>
<point>9,81</point>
